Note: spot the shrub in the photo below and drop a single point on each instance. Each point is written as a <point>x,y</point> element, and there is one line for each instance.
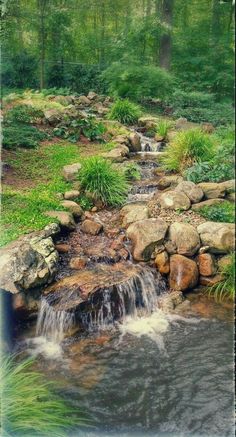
<point>29,406</point>
<point>132,172</point>
<point>23,114</point>
<point>125,112</point>
<point>225,289</point>
<point>20,71</point>
<point>187,148</point>
<point>103,182</point>
<point>62,91</point>
<point>138,81</point>
<point>224,212</point>
<point>22,136</point>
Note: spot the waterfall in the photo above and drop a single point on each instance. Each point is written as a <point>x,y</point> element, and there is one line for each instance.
<point>53,324</point>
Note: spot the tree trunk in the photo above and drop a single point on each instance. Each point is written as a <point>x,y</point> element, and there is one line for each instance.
<point>166,39</point>
<point>42,40</point>
<point>102,42</point>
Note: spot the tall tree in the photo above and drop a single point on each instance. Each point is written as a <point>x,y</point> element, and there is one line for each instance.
<point>166,37</point>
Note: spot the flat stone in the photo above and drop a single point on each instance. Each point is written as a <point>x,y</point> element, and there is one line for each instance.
<point>212,190</point>
<point>174,200</point>
<point>209,202</point>
<point>183,273</point>
<point>134,212</point>
<point>185,238</point>
<point>220,237</point>
<point>70,172</point>
<point>91,227</point>
<point>194,192</point>
<point>73,207</point>
<point>65,219</point>
<point>145,236</point>
<point>71,195</point>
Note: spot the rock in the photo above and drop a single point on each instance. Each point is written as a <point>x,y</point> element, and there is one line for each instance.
<point>224,261</point>
<point>194,192</point>
<point>203,249</point>
<point>65,219</point>
<point>118,154</point>
<point>83,100</point>
<point>183,273</point>
<point>212,190</point>
<point>62,247</point>
<point>145,235</point>
<point>100,109</point>
<point>73,207</point>
<point>53,116</point>
<point>121,139</point>
<point>78,263</point>
<point>28,263</point>
<point>148,122</point>
<point>185,238</point>
<point>209,281</point>
<point>183,124</point>
<point>91,227</point>
<point>174,200</point>
<point>71,195</point>
<point>229,186</point>
<point>170,247</point>
<point>169,181</point>
<point>219,237</point>
<point>70,172</point>
<point>134,212</point>
<point>206,264</point>
<point>230,197</point>
<point>94,209</point>
<point>162,263</point>
<point>92,96</point>
<point>51,230</point>
<point>207,127</point>
<point>168,302</point>
<point>209,202</point>
<point>135,143</point>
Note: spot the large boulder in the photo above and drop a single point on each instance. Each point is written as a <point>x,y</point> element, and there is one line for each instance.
<point>70,172</point>
<point>29,262</point>
<point>83,101</point>
<point>219,237</point>
<point>183,273</point>
<point>134,142</point>
<point>145,236</point>
<point>73,207</point>
<point>209,202</point>
<point>175,200</point>
<point>212,190</point>
<point>185,238</point>
<point>134,212</point>
<point>194,192</point>
<point>53,116</point>
<point>64,218</point>
<point>169,181</point>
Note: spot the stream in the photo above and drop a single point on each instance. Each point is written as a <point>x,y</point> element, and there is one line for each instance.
<point>148,372</point>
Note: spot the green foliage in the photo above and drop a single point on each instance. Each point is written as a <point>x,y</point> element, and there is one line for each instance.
<point>188,147</point>
<point>103,182</point>
<point>223,212</point>
<point>22,136</point>
<point>132,172</point>
<point>23,114</point>
<point>225,289</point>
<point>163,128</point>
<point>20,70</point>
<point>125,112</point>
<point>137,81</point>
<point>89,127</point>
<point>23,210</point>
<point>29,404</point>
<point>85,202</point>
<point>55,91</point>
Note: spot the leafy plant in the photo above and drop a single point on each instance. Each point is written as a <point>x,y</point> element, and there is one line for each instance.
<point>22,136</point>
<point>225,289</point>
<point>89,127</point>
<point>23,114</point>
<point>163,128</point>
<point>125,112</point>
<point>223,212</point>
<point>132,172</point>
<point>54,91</point>
<point>187,148</point>
<point>103,182</point>
<point>29,406</point>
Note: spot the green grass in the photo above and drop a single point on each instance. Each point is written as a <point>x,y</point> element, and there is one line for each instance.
<point>23,209</point>
<point>187,148</point>
<point>225,289</point>
<point>163,128</point>
<point>103,181</point>
<point>224,212</point>
<point>125,112</point>
<point>19,135</point>
<point>30,406</point>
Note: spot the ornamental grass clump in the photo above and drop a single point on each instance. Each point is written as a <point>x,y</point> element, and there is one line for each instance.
<point>29,407</point>
<point>103,182</point>
<point>125,112</point>
<point>186,149</point>
<point>225,289</point>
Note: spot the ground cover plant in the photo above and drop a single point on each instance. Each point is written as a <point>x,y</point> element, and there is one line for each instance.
<point>105,183</point>
<point>187,148</point>
<point>19,135</point>
<point>223,212</point>
<point>125,112</point>
<point>29,404</point>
